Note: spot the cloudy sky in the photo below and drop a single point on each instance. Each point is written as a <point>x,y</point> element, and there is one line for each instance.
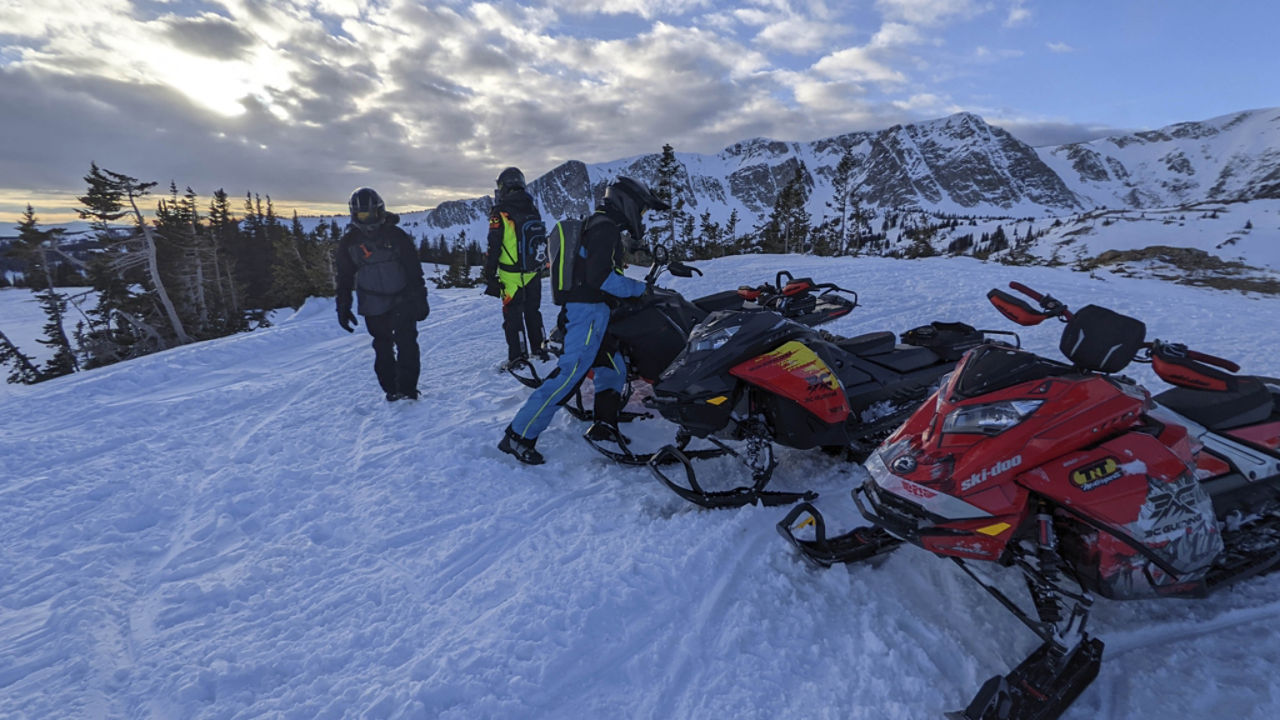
<point>304,100</point>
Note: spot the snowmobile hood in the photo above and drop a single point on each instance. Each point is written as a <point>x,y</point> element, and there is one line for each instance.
<point>972,447</point>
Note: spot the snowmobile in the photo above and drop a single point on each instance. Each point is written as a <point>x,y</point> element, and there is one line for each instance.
<point>1080,480</point>
<point>651,333</point>
<point>763,379</point>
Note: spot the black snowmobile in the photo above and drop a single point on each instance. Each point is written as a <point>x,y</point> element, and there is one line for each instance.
<point>652,333</point>
<point>762,378</point>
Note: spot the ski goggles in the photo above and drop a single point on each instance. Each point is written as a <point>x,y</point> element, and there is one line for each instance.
<point>366,215</point>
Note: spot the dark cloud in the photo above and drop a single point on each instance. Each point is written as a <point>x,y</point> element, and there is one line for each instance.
<point>212,36</point>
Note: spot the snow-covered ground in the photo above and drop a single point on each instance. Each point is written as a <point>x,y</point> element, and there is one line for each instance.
<point>1247,232</point>
<point>244,528</point>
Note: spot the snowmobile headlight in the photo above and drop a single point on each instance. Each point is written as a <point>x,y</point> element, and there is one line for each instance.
<point>712,341</point>
<point>991,419</point>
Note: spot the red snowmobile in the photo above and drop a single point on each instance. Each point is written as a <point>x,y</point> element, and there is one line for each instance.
<point>1080,480</point>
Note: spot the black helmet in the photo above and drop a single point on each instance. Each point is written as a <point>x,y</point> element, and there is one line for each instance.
<point>509,180</point>
<point>631,199</point>
<point>367,209</point>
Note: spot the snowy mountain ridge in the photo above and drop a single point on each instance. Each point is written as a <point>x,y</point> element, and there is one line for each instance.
<point>956,165</point>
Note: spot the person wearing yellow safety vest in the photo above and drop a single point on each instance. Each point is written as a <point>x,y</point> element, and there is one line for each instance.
<point>517,254</point>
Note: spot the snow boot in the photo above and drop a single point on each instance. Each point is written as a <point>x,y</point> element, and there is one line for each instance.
<point>608,404</point>
<point>393,396</point>
<point>555,343</point>
<point>522,448</point>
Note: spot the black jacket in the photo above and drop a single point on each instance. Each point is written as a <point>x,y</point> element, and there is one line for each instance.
<point>602,240</point>
<point>382,267</point>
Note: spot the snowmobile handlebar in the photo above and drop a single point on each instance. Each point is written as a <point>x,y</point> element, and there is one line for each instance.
<point>1051,305</point>
<point>662,261</point>
<point>1179,350</point>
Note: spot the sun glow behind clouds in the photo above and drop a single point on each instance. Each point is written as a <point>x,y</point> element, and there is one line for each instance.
<point>216,84</point>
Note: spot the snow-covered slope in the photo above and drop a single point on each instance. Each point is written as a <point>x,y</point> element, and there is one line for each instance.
<point>1228,158</point>
<point>244,528</point>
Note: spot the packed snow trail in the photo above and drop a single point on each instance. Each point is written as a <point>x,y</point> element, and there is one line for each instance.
<point>245,528</point>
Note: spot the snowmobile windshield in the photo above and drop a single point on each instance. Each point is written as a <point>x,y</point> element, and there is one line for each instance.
<point>992,368</point>
<point>728,337</point>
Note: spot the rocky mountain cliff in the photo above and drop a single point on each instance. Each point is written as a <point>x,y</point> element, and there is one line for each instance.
<point>957,165</point>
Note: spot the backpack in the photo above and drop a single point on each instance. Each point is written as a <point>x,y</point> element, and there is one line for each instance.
<point>566,245</point>
<point>532,253</point>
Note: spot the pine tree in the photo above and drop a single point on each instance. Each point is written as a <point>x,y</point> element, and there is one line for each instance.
<point>675,228</point>
<point>787,228</point>
<point>183,248</point>
<point>52,302</point>
<point>64,360</point>
<point>711,233</point>
<point>842,199</point>
<point>30,250</point>
<point>459,272</point>
<point>290,284</point>
<point>23,371</point>
<point>224,235</point>
<point>111,197</point>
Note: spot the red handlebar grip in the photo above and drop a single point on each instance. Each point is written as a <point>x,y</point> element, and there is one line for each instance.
<point>1026,291</point>
<point>1213,360</point>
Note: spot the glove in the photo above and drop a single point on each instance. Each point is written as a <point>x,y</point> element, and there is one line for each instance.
<point>492,288</point>
<point>346,319</point>
<point>643,298</point>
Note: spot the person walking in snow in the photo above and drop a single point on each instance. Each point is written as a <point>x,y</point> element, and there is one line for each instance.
<point>597,283</point>
<point>378,259</point>
<point>517,254</point>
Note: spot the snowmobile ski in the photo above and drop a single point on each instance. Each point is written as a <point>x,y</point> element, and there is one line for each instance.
<point>624,456</point>
<point>525,371</point>
<point>857,545</point>
<point>1042,687</point>
<point>760,460</point>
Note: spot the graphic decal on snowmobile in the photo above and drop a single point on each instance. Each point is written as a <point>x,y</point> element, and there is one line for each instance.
<point>1097,474</point>
<point>795,371</point>
<point>1176,524</point>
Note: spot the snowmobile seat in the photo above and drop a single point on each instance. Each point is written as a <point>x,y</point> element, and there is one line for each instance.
<point>906,358</point>
<point>875,343</point>
<point>1251,402</point>
<point>726,300</point>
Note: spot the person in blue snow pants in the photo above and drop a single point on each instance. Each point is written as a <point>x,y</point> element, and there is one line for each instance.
<point>598,282</point>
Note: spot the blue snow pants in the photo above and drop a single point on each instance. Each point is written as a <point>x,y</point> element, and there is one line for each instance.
<point>585,325</point>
